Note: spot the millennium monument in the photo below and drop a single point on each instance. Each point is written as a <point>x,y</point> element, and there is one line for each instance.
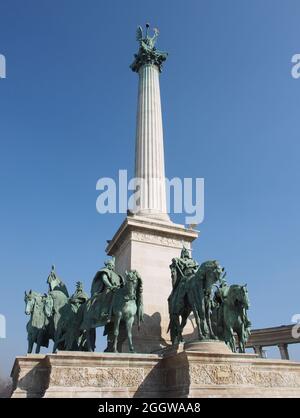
<point>174,327</point>
<point>148,241</point>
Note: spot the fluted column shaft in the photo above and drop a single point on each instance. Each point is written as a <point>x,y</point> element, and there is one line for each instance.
<point>149,157</point>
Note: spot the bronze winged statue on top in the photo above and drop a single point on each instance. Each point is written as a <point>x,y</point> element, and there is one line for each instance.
<point>147,53</point>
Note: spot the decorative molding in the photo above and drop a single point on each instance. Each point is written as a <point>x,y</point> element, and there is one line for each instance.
<point>228,374</point>
<point>165,240</point>
<point>96,377</point>
<point>178,373</point>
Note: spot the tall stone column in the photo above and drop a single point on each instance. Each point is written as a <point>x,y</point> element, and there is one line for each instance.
<point>149,148</point>
<point>148,241</point>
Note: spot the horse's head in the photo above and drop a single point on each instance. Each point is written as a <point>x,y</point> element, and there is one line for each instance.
<point>132,279</point>
<point>134,285</point>
<point>48,305</point>
<point>245,297</point>
<point>212,272</point>
<point>239,296</point>
<point>30,299</point>
<point>174,272</point>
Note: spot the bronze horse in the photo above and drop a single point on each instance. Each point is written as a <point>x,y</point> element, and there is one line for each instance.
<point>196,298</point>
<point>127,302</point>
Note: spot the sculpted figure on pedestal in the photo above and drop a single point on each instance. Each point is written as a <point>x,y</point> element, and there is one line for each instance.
<point>74,339</point>
<point>229,315</point>
<point>147,53</point>
<point>127,304</point>
<point>192,292</point>
<point>220,310</point>
<point>39,330</point>
<point>183,269</point>
<point>98,309</point>
<point>115,301</point>
<point>65,314</point>
<point>71,322</point>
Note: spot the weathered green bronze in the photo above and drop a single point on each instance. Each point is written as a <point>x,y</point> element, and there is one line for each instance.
<point>38,327</point>
<point>147,53</point>
<point>68,333</point>
<point>98,309</point>
<point>192,292</point>
<point>71,321</point>
<point>114,299</point>
<point>219,310</point>
<point>229,315</point>
<point>127,303</point>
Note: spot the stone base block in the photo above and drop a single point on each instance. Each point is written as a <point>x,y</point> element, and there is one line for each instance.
<point>199,374</point>
<point>174,373</point>
<point>208,346</point>
<point>148,246</point>
<point>81,375</point>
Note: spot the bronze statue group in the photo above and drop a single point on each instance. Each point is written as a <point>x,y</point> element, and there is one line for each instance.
<point>116,301</point>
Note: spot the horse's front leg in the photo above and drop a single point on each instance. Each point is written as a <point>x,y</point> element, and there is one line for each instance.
<point>38,342</point>
<point>116,332</point>
<point>184,319</point>
<point>90,339</point>
<point>208,319</point>
<point>241,343</point>
<point>198,323</point>
<point>177,337</point>
<point>56,341</point>
<point>129,324</point>
<point>93,338</point>
<point>200,317</point>
<point>30,345</point>
<point>231,339</point>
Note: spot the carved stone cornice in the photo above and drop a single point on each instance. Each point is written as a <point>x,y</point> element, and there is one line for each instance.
<point>152,231</point>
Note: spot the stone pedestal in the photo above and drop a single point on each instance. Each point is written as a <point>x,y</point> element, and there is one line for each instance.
<point>174,373</point>
<point>86,375</point>
<point>149,246</point>
<point>208,374</point>
<point>208,346</point>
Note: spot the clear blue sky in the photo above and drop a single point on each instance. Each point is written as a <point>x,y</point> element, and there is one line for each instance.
<point>67,118</point>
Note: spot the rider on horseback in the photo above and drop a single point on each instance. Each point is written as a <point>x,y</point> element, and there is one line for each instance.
<point>186,266</point>
<point>183,268</point>
<point>78,298</point>
<point>105,283</point>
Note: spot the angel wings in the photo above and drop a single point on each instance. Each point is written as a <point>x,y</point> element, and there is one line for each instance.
<point>140,36</point>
